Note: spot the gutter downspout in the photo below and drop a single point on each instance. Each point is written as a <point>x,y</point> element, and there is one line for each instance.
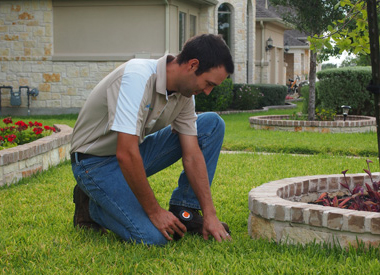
<point>262,51</point>
<point>167,26</point>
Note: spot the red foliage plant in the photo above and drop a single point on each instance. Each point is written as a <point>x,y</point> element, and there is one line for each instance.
<point>358,198</point>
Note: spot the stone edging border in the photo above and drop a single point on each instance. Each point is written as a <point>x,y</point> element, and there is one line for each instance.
<point>277,122</point>
<point>28,159</point>
<point>279,201</point>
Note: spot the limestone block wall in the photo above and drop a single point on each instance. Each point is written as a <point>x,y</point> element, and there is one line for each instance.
<point>26,59</point>
<point>301,63</point>
<point>27,56</point>
<point>240,37</point>
<point>25,160</point>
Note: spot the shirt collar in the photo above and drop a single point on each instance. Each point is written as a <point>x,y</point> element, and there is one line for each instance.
<point>161,75</point>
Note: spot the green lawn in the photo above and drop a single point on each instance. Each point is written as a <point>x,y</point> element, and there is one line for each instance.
<point>37,236</point>
<point>241,137</point>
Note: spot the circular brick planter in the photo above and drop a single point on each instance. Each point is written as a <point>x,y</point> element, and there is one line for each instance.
<point>279,211</point>
<point>353,124</point>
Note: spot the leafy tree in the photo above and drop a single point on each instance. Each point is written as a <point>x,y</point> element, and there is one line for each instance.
<point>312,17</point>
<point>349,33</point>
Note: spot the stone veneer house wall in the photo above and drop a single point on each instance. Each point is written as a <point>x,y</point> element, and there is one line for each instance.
<point>65,47</point>
<point>276,65</point>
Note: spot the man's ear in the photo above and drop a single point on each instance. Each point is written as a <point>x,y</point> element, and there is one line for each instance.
<point>193,64</point>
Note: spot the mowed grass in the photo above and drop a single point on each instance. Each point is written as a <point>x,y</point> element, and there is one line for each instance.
<point>68,119</point>
<point>241,137</point>
<point>37,235</point>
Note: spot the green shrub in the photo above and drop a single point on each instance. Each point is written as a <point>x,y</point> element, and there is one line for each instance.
<point>273,94</point>
<point>246,97</point>
<point>256,96</point>
<point>218,100</point>
<point>346,86</point>
<point>305,94</point>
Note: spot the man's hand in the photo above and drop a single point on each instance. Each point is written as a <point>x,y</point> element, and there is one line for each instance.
<point>212,226</point>
<point>196,172</point>
<point>167,223</point>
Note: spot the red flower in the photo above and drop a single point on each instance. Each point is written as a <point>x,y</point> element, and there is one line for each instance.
<point>7,120</point>
<point>37,131</point>
<point>21,125</point>
<point>1,138</point>
<point>31,124</point>
<point>48,128</point>
<point>37,124</point>
<point>10,138</point>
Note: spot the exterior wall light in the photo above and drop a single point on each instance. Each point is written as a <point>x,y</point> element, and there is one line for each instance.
<point>286,47</point>
<point>345,111</point>
<point>269,44</point>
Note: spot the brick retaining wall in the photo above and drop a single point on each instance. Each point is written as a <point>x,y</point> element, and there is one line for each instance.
<point>353,124</point>
<point>28,159</point>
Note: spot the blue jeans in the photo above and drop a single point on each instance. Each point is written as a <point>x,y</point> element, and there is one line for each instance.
<point>112,203</point>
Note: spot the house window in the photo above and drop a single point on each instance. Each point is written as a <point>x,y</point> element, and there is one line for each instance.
<point>224,23</point>
<point>182,29</point>
<point>193,25</point>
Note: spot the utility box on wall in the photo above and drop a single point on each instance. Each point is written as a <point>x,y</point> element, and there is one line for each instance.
<point>15,98</point>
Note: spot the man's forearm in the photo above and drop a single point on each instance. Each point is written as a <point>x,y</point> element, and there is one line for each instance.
<point>132,167</point>
<point>196,172</point>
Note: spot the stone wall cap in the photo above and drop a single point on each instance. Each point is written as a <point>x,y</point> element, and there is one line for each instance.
<point>266,195</point>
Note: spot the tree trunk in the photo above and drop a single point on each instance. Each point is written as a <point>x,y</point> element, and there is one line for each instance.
<point>312,80</point>
<point>375,56</point>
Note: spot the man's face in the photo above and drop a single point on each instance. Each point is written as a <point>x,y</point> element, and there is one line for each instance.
<point>204,83</point>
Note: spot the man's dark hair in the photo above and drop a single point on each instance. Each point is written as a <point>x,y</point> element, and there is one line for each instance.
<point>211,51</point>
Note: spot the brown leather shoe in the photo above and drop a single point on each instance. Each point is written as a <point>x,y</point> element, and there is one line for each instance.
<point>192,219</point>
<point>82,217</point>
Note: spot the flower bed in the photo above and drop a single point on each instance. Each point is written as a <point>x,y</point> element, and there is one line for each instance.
<point>27,159</point>
<point>21,132</point>
<point>353,124</point>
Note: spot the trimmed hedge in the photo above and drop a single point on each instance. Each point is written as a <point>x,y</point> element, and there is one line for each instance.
<point>256,96</point>
<point>246,97</point>
<point>273,94</point>
<point>346,86</point>
<point>218,100</point>
<point>241,97</point>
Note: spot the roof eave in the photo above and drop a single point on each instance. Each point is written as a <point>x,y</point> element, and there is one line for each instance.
<point>206,2</point>
<point>276,21</point>
<point>299,47</point>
